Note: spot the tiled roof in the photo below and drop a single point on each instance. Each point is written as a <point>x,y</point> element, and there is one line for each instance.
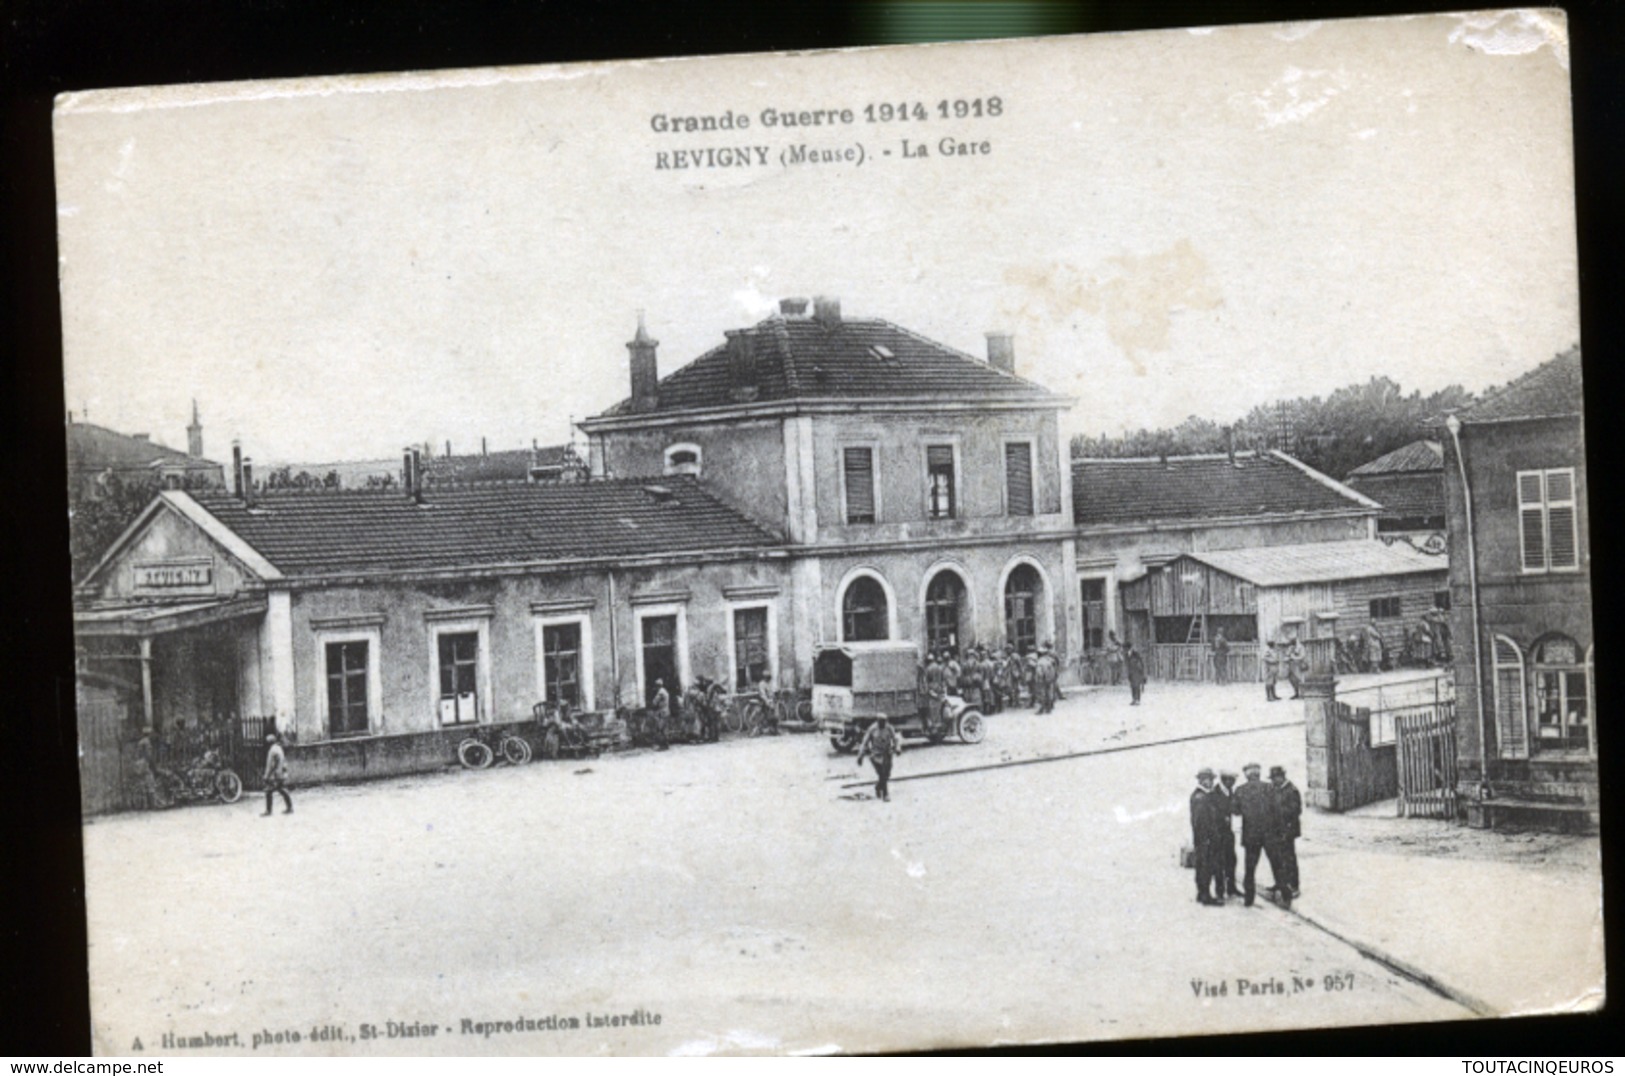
<point>1113,491</point>
<point>1550,390</point>
<point>1321,562</point>
<point>1417,456</point>
<point>314,532</point>
<point>1412,495</point>
<point>97,447</point>
<point>860,358</point>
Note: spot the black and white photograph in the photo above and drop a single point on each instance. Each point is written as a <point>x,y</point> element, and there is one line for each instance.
<point>1067,539</point>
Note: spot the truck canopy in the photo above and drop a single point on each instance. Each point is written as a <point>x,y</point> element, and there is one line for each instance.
<point>867,667</point>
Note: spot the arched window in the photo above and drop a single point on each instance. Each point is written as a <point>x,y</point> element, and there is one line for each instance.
<point>1022,592</point>
<point>865,614</point>
<point>1511,724</point>
<point>1562,695</point>
<point>944,611</point>
<point>683,459</point>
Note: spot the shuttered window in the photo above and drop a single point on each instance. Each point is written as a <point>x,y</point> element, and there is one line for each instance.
<point>1547,524</point>
<point>859,468</point>
<point>939,468</point>
<point>1511,724</point>
<point>1018,478</point>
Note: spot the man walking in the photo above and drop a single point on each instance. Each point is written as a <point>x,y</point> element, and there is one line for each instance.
<point>1256,802</point>
<point>1289,809</point>
<point>880,742</point>
<point>1135,666</point>
<point>276,774</point>
<point>1221,658</point>
<point>1208,817</point>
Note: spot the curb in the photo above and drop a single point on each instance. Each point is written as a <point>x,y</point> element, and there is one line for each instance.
<point>1401,967</point>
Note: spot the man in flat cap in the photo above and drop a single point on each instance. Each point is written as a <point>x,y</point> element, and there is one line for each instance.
<point>1209,823</point>
<point>1258,805</point>
<point>1289,811</point>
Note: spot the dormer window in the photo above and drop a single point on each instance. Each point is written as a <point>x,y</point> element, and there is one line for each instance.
<point>683,459</point>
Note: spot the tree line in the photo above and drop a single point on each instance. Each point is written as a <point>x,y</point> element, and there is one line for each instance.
<point>1333,434</point>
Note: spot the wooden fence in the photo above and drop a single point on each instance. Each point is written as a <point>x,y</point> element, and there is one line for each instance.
<point>1426,739</point>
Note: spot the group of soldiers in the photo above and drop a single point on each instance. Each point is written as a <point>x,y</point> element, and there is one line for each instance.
<point>994,679</point>
<point>1292,661</point>
<point>1270,814</point>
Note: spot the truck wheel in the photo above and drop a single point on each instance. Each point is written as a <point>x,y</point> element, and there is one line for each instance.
<point>473,754</point>
<point>229,786</point>
<point>845,742</point>
<point>971,727</point>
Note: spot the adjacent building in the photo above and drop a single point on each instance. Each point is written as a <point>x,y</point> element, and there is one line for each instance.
<point>1409,484</point>
<point>1520,580</point>
<point>1135,516</point>
<point>98,455</point>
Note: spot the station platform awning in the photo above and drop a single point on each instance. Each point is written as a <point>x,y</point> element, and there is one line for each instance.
<point>154,618</point>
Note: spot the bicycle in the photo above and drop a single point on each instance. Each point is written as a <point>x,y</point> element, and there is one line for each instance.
<point>477,753</point>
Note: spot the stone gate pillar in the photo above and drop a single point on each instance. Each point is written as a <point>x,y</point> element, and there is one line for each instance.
<point>1320,740</point>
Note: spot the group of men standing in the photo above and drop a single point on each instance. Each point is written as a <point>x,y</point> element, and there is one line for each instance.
<point>994,679</point>
<point>1270,816</point>
<point>1292,661</point>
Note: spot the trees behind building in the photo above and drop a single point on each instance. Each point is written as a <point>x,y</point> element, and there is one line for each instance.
<point>1333,434</point>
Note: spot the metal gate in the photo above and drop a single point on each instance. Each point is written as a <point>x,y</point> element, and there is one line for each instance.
<point>1427,762</point>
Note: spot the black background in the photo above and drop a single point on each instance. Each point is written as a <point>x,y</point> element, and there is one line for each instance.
<point>50,47</point>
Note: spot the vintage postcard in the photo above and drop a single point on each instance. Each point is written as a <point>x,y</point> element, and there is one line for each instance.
<point>1065,539</point>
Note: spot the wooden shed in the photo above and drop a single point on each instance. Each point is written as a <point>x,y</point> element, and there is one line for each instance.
<point>1314,592</point>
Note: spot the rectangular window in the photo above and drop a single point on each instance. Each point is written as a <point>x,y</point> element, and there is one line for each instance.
<point>1094,613</point>
<point>1385,608</point>
<point>1548,527</point>
<point>561,664</point>
<point>1018,478</point>
<point>858,465</point>
<point>939,467</point>
<point>751,664</point>
<point>347,688</point>
<point>459,654</point>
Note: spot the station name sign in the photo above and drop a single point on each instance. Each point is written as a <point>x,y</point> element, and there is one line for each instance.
<point>187,575</point>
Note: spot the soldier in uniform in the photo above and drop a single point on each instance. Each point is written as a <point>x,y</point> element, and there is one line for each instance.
<point>1045,674</point>
<point>1221,658</point>
<point>1227,867</point>
<point>935,684</point>
<point>1297,667</point>
<point>951,672</point>
<point>992,686</point>
<point>1374,648</point>
<point>1209,815</point>
<point>1272,671</point>
<point>1010,677</point>
<point>1114,657</point>
<point>1258,805</point>
<point>1289,809</point>
<point>880,742</point>
<point>970,679</point>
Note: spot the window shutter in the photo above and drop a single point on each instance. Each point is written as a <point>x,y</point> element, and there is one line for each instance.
<point>1018,478</point>
<point>1561,528</point>
<point>1511,724</point>
<point>860,485</point>
<point>1531,520</point>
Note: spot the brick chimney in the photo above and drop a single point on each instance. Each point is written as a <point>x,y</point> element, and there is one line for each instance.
<point>827,311</point>
<point>742,383</point>
<point>1001,351</point>
<point>645,371</point>
<point>793,308</point>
